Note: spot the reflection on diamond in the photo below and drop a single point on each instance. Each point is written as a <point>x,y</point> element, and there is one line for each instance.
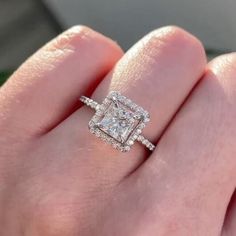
<point>118,121</point>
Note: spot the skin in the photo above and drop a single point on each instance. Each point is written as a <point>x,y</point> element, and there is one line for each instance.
<point>57,179</point>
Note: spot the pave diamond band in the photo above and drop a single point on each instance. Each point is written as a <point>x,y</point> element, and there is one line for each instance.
<point>90,103</point>
<point>118,121</point>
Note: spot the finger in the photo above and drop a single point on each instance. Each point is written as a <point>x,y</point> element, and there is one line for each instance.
<point>157,74</point>
<point>194,167</point>
<point>46,88</point>
<point>229,228</point>
<point>153,75</point>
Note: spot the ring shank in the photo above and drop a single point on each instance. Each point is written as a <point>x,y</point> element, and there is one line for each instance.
<point>90,103</point>
<point>146,142</point>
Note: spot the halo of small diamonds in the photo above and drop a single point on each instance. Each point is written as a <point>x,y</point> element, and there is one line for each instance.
<point>118,121</point>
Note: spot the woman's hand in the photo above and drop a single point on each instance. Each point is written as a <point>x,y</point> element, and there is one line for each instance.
<point>57,179</point>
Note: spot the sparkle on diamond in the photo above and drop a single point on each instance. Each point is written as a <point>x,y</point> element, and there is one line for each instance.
<point>118,121</point>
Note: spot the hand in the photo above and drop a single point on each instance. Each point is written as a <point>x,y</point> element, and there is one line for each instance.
<point>57,179</point>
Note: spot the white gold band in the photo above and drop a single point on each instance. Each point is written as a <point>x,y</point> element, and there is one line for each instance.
<point>90,103</point>
<point>138,137</point>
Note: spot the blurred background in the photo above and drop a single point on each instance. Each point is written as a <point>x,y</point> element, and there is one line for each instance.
<point>26,25</point>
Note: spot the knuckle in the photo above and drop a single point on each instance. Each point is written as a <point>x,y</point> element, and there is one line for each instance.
<point>80,38</point>
<point>71,38</point>
<point>225,64</point>
<point>176,37</point>
<point>223,69</point>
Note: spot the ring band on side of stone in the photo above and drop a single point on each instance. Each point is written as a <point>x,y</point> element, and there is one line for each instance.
<point>118,121</point>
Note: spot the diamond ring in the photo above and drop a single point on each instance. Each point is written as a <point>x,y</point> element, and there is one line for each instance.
<point>118,121</point>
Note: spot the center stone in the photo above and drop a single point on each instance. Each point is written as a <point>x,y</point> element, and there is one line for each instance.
<point>118,121</point>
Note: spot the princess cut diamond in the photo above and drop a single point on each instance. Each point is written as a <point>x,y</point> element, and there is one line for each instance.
<point>118,121</point>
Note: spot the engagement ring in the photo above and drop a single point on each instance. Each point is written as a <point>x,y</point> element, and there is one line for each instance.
<point>118,121</point>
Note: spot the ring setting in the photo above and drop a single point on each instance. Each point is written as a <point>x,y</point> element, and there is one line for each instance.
<point>118,121</point>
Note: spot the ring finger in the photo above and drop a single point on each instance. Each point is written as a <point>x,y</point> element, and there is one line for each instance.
<point>157,73</point>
